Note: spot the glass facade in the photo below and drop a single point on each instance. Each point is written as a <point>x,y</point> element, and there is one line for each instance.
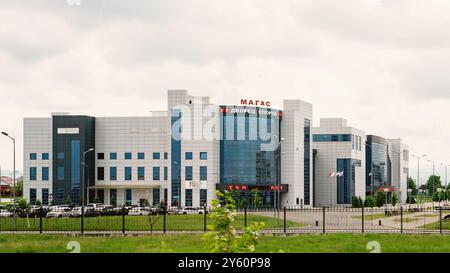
<point>75,162</point>
<point>249,150</point>
<point>378,164</point>
<point>346,183</point>
<point>307,161</point>
<point>175,160</point>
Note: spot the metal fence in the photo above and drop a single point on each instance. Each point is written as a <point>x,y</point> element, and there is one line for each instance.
<point>283,221</point>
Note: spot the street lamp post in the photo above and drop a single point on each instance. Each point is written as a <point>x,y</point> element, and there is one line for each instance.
<point>418,168</point>
<point>83,166</point>
<point>432,161</point>
<point>445,182</point>
<point>14,177</point>
<point>386,190</point>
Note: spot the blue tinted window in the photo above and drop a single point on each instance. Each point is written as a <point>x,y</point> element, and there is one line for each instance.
<point>156,196</point>
<point>188,173</point>
<point>128,156</point>
<point>203,197</point>
<point>113,156</point>
<point>44,197</point>
<point>113,173</point>
<point>188,156</point>
<point>141,156</point>
<point>141,173</point>
<point>128,197</point>
<point>188,198</point>
<point>331,138</point>
<point>156,156</point>
<point>128,175</point>
<point>33,173</point>
<point>32,196</point>
<point>44,173</point>
<point>166,172</point>
<point>75,175</point>
<point>203,173</point>
<point>45,156</point>
<point>166,156</point>
<point>156,174</point>
<point>203,155</point>
<point>33,156</point>
<point>60,155</point>
<point>60,173</point>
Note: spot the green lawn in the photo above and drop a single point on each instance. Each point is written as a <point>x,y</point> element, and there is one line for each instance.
<point>435,225</point>
<point>132,223</point>
<point>318,243</point>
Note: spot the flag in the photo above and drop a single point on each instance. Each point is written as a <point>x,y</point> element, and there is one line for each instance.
<point>340,173</point>
<point>331,174</point>
<point>370,174</point>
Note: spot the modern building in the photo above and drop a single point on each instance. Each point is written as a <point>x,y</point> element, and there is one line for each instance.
<point>378,161</point>
<point>179,156</point>
<point>399,155</point>
<point>339,162</point>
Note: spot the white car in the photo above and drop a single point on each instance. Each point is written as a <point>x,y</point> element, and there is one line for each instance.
<point>5,213</point>
<point>59,212</point>
<point>139,211</point>
<point>190,210</point>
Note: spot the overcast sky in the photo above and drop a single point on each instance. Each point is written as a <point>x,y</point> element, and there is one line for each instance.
<point>383,65</point>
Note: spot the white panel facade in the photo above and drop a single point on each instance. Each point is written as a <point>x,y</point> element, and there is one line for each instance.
<point>399,155</point>
<point>37,138</point>
<point>329,152</point>
<point>292,161</point>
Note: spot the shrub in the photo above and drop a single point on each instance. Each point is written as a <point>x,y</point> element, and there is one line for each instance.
<point>222,236</point>
<point>356,202</point>
<point>394,198</point>
<point>370,202</point>
<point>381,198</point>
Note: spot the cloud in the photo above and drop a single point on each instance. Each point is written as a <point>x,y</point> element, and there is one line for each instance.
<point>380,64</point>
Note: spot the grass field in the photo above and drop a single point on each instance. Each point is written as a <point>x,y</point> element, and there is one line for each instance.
<point>319,243</point>
<point>435,225</point>
<point>132,223</point>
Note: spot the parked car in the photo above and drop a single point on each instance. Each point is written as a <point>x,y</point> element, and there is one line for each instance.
<point>5,213</point>
<point>95,206</point>
<point>91,212</point>
<point>174,210</point>
<point>203,210</point>
<point>59,212</point>
<point>76,212</point>
<point>107,210</point>
<point>139,211</point>
<point>190,210</point>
